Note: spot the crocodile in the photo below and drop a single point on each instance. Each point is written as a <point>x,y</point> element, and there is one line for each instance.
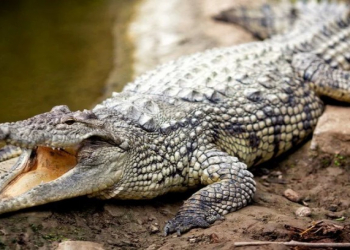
<point>197,122</point>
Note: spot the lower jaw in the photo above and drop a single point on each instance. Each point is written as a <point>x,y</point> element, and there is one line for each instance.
<point>44,165</point>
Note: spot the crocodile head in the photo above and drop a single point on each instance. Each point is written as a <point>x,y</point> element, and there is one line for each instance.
<point>65,154</point>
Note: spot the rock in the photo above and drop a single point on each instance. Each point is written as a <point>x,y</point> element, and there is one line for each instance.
<point>335,215</point>
<point>192,240</point>
<point>303,202</point>
<point>307,199</point>
<point>276,174</point>
<point>265,171</point>
<point>335,171</point>
<point>303,212</point>
<point>154,229</point>
<point>333,208</point>
<point>265,183</point>
<point>292,195</point>
<point>214,238</point>
<point>332,133</point>
<point>152,247</point>
<point>114,210</point>
<point>77,245</point>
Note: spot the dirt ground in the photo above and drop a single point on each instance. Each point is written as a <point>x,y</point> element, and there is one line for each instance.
<point>321,180</point>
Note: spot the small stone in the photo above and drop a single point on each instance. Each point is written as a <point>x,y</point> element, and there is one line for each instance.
<point>335,215</point>
<point>75,245</point>
<point>266,184</point>
<point>276,173</point>
<point>335,171</point>
<point>151,218</point>
<point>165,212</point>
<point>193,240</point>
<point>265,171</point>
<point>115,211</point>
<point>154,229</point>
<point>332,133</point>
<point>291,195</point>
<point>152,247</point>
<point>307,199</point>
<point>303,212</point>
<point>305,203</point>
<point>333,208</point>
<point>214,238</point>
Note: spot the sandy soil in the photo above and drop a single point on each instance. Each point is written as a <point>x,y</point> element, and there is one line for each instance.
<point>321,180</point>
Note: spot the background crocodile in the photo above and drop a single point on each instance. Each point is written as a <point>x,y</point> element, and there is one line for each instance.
<point>179,130</point>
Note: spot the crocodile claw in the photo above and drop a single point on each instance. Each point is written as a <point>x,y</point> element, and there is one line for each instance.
<point>183,224</point>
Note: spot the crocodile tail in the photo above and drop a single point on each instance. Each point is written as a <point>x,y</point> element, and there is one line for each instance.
<point>323,29</point>
<point>329,33</point>
<point>268,20</point>
<point>320,27</point>
<point>263,21</point>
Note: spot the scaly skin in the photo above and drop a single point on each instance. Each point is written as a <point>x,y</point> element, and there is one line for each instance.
<point>8,152</point>
<point>199,120</point>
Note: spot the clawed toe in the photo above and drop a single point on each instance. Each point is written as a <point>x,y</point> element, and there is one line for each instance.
<point>181,225</point>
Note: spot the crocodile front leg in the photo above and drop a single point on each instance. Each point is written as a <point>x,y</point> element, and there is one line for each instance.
<point>230,187</point>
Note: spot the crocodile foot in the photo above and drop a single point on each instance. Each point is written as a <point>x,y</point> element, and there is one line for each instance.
<point>182,224</point>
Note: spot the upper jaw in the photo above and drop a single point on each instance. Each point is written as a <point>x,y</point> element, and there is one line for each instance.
<point>52,129</point>
<point>57,163</point>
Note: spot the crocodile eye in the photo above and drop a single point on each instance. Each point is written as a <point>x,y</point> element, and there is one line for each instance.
<point>69,122</point>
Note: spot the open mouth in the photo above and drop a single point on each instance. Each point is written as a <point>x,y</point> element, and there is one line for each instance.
<point>43,165</point>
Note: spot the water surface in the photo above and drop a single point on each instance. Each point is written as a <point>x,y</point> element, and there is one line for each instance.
<point>57,52</point>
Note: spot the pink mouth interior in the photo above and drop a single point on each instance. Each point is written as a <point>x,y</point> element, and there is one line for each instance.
<point>48,165</point>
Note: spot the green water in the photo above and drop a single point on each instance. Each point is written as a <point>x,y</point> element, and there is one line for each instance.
<point>58,52</point>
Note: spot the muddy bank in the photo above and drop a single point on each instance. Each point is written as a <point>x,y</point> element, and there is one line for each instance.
<point>163,31</point>
<point>322,181</point>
